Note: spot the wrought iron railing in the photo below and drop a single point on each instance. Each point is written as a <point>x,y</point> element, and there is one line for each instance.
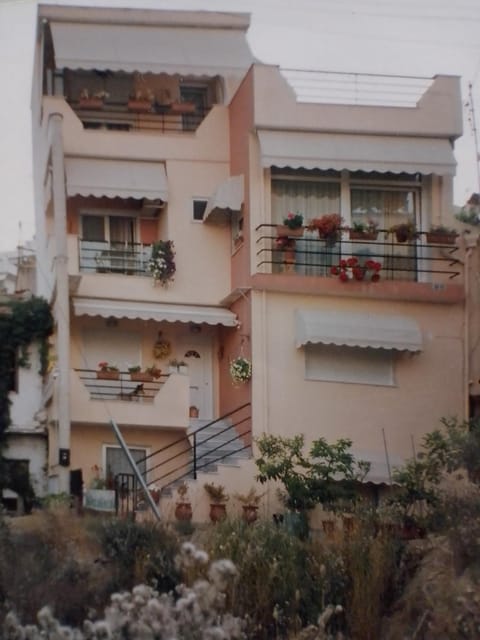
<point>182,459</point>
<point>415,260</point>
<point>114,257</point>
<point>101,386</point>
<point>161,118</point>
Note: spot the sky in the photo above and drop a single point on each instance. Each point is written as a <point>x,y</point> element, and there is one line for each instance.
<point>398,37</point>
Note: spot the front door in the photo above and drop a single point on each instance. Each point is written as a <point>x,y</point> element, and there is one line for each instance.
<point>197,353</point>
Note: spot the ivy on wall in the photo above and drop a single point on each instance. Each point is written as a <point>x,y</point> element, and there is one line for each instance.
<point>22,322</point>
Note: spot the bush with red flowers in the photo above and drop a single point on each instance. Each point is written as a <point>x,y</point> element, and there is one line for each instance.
<point>352,269</point>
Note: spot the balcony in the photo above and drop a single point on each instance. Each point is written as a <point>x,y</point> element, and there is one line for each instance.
<point>412,261</point>
<point>114,257</point>
<point>153,403</point>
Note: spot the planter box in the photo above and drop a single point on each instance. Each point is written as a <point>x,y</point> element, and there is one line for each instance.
<point>90,103</point>
<point>283,230</point>
<point>441,238</point>
<point>108,375</point>
<point>139,106</point>
<point>100,500</point>
<point>363,235</point>
<point>138,376</point>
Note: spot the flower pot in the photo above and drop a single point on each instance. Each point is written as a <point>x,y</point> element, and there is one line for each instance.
<point>330,240</point>
<point>139,376</point>
<point>402,235</point>
<point>218,512</point>
<point>348,524</point>
<point>283,230</point>
<point>155,493</point>
<point>328,527</point>
<point>250,513</point>
<point>441,238</point>
<point>108,375</point>
<point>193,412</point>
<point>183,511</point>
<point>90,103</point>
<point>363,235</point>
<point>139,106</point>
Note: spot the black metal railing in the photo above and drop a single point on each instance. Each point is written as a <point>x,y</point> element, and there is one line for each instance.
<point>114,257</point>
<point>182,458</point>
<point>415,259</point>
<point>120,386</point>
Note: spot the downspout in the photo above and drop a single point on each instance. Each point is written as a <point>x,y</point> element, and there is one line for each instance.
<point>61,303</point>
<point>466,335</point>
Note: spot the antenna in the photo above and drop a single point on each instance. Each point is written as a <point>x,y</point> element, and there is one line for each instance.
<point>471,117</point>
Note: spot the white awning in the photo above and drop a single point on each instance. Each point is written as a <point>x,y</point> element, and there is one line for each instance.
<point>153,311</point>
<point>357,330</point>
<point>116,178</point>
<point>307,150</point>
<point>228,197</point>
<point>173,50</point>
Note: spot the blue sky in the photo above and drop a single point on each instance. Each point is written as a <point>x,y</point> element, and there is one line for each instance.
<point>407,37</point>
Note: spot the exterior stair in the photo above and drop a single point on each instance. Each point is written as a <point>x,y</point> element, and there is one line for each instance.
<point>217,443</point>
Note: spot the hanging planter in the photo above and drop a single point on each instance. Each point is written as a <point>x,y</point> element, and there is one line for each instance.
<point>162,262</point>
<point>241,369</point>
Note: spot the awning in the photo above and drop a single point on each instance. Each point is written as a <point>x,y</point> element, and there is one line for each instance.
<point>173,50</point>
<point>228,197</point>
<point>116,178</point>
<point>357,330</point>
<point>307,150</point>
<point>153,311</point>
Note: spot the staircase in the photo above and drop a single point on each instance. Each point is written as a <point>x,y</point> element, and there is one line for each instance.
<point>216,442</point>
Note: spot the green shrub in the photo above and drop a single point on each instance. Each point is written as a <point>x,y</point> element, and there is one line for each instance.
<point>139,552</point>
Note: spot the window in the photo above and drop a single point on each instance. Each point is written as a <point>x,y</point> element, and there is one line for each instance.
<point>356,365</point>
<point>199,207</point>
<point>116,461</point>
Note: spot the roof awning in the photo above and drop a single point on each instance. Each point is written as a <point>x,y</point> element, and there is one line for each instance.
<point>357,330</point>
<point>228,197</point>
<point>173,50</point>
<point>307,150</point>
<point>153,311</point>
<point>116,178</point>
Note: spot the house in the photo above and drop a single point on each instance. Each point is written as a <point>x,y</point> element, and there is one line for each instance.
<point>153,127</point>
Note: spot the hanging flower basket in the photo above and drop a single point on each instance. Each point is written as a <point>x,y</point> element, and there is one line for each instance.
<point>241,369</point>
<point>162,262</point>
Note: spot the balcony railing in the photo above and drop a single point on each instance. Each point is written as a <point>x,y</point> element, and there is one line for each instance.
<point>308,255</point>
<point>114,257</point>
<point>141,389</point>
<point>160,118</point>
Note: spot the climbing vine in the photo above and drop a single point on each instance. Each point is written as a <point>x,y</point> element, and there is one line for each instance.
<point>22,322</point>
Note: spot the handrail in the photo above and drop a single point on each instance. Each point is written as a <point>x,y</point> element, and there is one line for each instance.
<point>189,443</point>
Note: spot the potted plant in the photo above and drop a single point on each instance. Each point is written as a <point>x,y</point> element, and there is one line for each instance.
<point>218,500</point>
<point>162,262</point>
<point>135,372</point>
<point>107,371</point>
<point>155,492</point>
<point>141,101</point>
<point>404,232</point>
<point>240,370</point>
<point>250,502</point>
<point>183,509</point>
<point>329,227</point>
<point>292,225</point>
<point>94,101</point>
<point>353,269</point>
<point>439,234</point>
<point>364,230</point>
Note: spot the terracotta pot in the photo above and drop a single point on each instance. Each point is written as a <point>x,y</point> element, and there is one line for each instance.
<point>139,106</point>
<point>250,513</point>
<point>441,238</point>
<point>108,375</point>
<point>402,235</point>
<point>218,512</point>
<point>90,103</point>
<point>283,230</point>
<point>183,511</point>
<point>155,493</point>
<point>348,524</point>
<point>139,376</point>
<point>363,235</point>
<point>193,412</point>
